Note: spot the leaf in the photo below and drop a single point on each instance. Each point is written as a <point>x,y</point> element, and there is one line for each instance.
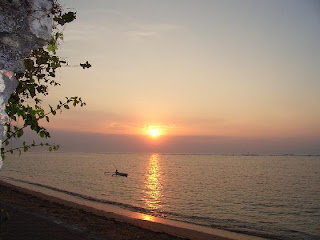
<point>52,48</point>
<point>32,91</point>
<point>65,18</point>
<point>20,112</point>
<point>28,63</point>
<point>66,106</point>
<point>19,133</point>
<point>42,134</point>
<point>85,65</point>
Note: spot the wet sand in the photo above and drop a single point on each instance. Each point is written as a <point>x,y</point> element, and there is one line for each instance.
<point>34,215</point>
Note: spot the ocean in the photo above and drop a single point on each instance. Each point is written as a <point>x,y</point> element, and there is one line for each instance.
<point>276,197</point>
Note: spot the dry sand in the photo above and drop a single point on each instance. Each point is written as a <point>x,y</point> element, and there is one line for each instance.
<point>34,215</point>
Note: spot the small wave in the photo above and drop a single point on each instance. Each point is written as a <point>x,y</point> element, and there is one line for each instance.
<point>82,196</point>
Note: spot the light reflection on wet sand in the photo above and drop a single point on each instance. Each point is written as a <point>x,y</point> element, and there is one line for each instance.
<point>145,217</point>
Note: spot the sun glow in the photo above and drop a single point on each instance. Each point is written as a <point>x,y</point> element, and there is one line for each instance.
<point>154,131</point>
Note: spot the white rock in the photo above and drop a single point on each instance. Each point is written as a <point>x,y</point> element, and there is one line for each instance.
<point>40,21</point>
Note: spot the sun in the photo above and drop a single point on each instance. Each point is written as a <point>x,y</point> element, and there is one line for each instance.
<point>154,132</point>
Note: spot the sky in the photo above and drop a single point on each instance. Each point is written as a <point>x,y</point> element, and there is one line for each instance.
<point>211,76</point>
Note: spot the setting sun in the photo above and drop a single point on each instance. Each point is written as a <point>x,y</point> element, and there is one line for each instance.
<point>154,132</point>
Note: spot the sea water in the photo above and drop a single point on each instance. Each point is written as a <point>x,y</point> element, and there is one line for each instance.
<point>276,197</point>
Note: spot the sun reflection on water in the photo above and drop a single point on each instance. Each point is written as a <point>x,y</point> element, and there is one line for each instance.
<point>153,186</point>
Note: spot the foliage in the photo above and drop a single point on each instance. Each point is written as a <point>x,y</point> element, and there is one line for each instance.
<point>4,216</point>
<point>24,107</point>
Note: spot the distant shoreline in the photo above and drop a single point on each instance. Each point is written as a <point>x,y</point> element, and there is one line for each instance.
<point>83,216</point>
<point>178,153</point>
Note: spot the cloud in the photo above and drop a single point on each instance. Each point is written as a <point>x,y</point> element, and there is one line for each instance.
<point>119,22</point>
<point>116,25</point>
<point>141,31</point>
<point>136,35</point>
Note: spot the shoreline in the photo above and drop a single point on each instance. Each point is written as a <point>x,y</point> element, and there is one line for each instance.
<point>49,206</point>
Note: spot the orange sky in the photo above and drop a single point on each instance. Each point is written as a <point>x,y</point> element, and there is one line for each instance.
<point>220,68</point>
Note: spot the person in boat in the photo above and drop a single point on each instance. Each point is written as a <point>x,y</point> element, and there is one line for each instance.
<point>116,171</point>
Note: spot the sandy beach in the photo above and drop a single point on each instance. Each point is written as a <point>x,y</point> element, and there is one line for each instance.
<point>34,215</point>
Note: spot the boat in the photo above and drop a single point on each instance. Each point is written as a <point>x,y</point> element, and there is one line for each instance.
<point>120,174</point>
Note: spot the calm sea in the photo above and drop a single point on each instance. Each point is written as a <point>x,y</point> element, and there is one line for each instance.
<point>276,197</point>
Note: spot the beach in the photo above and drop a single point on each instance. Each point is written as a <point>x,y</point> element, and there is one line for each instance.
<point>33,215</point>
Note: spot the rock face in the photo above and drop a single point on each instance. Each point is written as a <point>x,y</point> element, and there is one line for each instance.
<point>24,25</point>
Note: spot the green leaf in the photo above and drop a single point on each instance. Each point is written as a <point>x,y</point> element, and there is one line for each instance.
<point>19,133</point>
<point>52,48</point>
<point>42,134</point>
<point>20,112</point>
